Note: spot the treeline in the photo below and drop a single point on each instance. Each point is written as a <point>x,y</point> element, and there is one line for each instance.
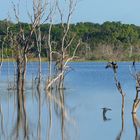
<point>107,41</point>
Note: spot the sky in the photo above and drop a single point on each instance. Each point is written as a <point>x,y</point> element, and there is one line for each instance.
<point>96,11</point>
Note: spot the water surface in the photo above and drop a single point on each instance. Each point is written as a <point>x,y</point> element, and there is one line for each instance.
<point>75,116</point>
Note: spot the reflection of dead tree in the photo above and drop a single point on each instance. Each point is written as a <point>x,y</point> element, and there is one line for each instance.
<point>136,124</point>
<point>61,112</point>
<point>2,120</point>
<point>49,102</point>
<point>21,127</point>
<point>56,99</point>
<point>114,66</point>
<point>39,112</point>
<point>62,109</point>
<point>122,128</point>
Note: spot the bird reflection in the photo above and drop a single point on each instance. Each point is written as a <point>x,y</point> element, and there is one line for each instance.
<point>104,113</point>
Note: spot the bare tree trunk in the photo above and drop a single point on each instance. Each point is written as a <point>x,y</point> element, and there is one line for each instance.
<point>62,54</point>
<point>39,134</point>
<point>61,82</point>
<point>136,103</point>
<point>114,66</point>
<point>50,55</point>
<point>1,62</point>
<point>136,76</point>
<point>19,85</point>
<point>39,56</point>
<point>23,91</point>
<point>131,51</point>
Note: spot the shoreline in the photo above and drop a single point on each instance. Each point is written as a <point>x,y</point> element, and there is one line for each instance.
<point>43,59</point>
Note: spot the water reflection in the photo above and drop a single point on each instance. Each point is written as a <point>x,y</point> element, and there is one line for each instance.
<point>2,133</point>
<point>136,124</point>
<point>104,114</point>
<point>50,115</point>
<point>40,116</point>
<point>122,119</point>
<point>56,102</point>
<point>20,131</point>
<point>39,91</point>
<point>122,127</point>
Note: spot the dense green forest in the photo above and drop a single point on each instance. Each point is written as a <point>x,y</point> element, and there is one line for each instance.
<point>107,41</point>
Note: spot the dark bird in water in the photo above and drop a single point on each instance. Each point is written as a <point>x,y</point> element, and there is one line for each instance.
<point>112,65</point>
<point>134,65</point>
<point>104,113</point>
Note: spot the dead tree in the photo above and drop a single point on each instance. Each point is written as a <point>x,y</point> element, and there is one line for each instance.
<point>136,76</point>
<point>114,67</point>
<point>21,44</point>
<point>39,7</point>
<point>4,42</point>
<point>1,61</point>
<point>62,54</point>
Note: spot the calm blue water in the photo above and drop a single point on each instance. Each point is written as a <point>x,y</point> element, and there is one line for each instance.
<point>89,87</point>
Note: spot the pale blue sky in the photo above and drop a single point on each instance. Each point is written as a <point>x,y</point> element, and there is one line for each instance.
<point>97,11</point>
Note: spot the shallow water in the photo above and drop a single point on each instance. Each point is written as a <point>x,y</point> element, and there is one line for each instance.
<point>75,116</point>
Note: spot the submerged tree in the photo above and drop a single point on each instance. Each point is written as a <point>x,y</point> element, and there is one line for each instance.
<point>21,42</point>
<point>114,67</point>
<point>136,76</point>
<point>62,54</point>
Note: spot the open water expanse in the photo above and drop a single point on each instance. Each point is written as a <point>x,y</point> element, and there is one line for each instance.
<point>75,113</point>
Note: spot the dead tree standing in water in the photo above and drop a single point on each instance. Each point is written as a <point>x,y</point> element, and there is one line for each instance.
<point>114,67</point>
<point>63,56</point>
<point>136,76</point>
<point>39,7</point>
<point>21,44</point>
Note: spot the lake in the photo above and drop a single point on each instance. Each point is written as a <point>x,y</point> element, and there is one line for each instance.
<point>75,113</point>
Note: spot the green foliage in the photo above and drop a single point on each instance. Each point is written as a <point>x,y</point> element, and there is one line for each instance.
<point>115,34</point>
